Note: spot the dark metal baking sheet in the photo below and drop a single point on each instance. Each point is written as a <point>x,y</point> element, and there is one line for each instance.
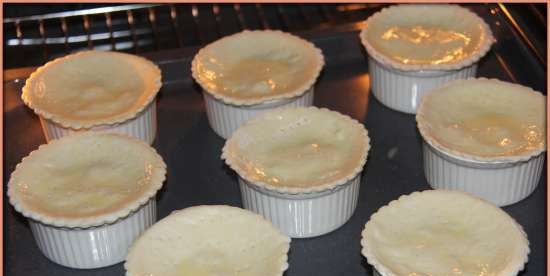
<point>197,175</point>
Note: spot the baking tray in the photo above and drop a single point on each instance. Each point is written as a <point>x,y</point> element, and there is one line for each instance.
<point>197,175</point>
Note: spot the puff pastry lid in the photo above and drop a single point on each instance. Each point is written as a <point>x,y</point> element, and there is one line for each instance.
<point>209,240</point>
<point>438,232</point>
<point>484,120</point>
<point>426,37</point>
<point>86,179</point>
<point>298,150</point>
<point>254,67</point>
<point>92,88</point>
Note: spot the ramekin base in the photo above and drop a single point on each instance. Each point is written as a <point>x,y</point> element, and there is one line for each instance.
<point>143,126</point>
<point>226,118</point>
<point>93,247</point>
<point>303,215</point>
<point>499,183</point>
<point>403,91</point>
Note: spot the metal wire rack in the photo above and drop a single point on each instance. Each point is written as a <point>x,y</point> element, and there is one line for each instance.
<point>146,27</point>
<point>138,28</point>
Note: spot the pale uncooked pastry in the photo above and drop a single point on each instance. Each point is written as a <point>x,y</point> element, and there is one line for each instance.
<point>444,233</point>
<point>484,118</point>
<point>298,148</point>
<point>256,66</point>
<point>92,87</point>
<point>86,179</point>
<point>426,35</point>
<point>209,241</point>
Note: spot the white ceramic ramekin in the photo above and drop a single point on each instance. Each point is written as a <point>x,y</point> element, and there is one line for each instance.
<point>143,126</point>
<point>67,228</point>
<point>93,247</point>
<point>403,90</point>
<point>401,86</point>
<point>225,118</point>
<point>226,106</point>
<point>324,198</point>
<point>453,149</point>
<point>44,94</point>
<point>303,215</point>
<point>501,183</point>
